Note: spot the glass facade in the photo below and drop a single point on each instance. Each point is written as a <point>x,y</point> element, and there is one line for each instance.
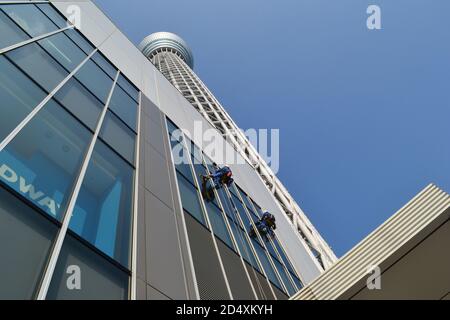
<point>69,134</point>
<point>53,119</point>
<point>231,214</point>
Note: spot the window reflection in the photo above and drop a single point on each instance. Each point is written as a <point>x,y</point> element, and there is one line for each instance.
<point>18,95</point>
<point>42,162</point>
<point>10,33</point>
<point>102,212</point>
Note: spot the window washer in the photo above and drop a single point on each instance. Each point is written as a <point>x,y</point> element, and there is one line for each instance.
<point>266,226</point>
<point>222,176</point>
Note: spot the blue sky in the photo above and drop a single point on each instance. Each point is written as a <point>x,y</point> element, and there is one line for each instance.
<point>364,116</point>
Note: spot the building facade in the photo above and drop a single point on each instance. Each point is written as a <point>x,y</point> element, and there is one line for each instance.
<point>173,57</point>
<point>93,204</point>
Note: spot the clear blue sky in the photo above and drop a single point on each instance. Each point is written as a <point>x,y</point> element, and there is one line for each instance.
<point>364,115</point>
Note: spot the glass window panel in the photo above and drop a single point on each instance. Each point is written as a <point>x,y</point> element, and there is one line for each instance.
<point>105,65</point>
<point>100,279</point>
<point>241,210</point>
<point>190,199</point>
<point>283,255</point>
<point>266,263</point>
<point>95,80</point>
<point>102,214</point>
<point>128,87</point>
<point>285,278</point>
<point>78,100</point>
<point>271,249</point>
<point>118,136</point>
<point>124,107</point>
<point>63,50</point>
<point>242,243</point>
<point>29,18</point>
<point>25,241</point>
<point>10,33</point>
<point>18,95</point>
<point>226,204</point>
<point>42,68</point>
<point>174,131</point>
<point>79,40</point>
<point>53,15</point>
<point>297,281</point>
<point>218,223</point>
<point>42,162</point>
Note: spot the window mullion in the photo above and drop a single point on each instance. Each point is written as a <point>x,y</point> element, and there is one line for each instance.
<point>38,108</point>
<point>35,39</point>
<point>69,211</point>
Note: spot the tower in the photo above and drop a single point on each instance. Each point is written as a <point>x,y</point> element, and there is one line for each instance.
<point>173,57</point>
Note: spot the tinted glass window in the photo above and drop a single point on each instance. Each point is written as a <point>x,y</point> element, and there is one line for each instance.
<point>81,102</point>
<point>42,162</point>
<point>124,107</point>
<point>100,280</point>
<point>53,15</point>
<point>103,209</point>
<point>284,277</point>
<point>101,61</point>
<point>218,224</point>
<point>266,263</point>
<point>18,95</point>
<point>10,33</point>
<point>283,255</point>
<point>63,50</point>
<point>30,18</point>
<point>190,199</point>
<point>95,80</point>
<point>25,241</point>
<point>118,136</point>
<point>128,87</point>
<point>42,68</point>
<point>297,281</point>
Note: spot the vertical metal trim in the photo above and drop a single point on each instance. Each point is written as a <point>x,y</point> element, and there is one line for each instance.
<point>69,211</point>
<point>183,221</point>
<point>133,290</point>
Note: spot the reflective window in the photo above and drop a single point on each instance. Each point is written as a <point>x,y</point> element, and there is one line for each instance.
<point>42,162</point>
<point>95,80</point>
<point>284,277</point>
<point>100,280</point>
<point>283,255</point>
<point>266,263</point>
<point>243,245</point>
<point>128,87</point>
<point>10,33</point>
<point>81,102</point>
<point>30,18</point>
<point>79,40</point>
<point>118,136</point>
<point>42,68</point>
<point>241,210</point>
<point>102,214</point>
<point>51,13</point>
<point>101,61</point>
<point>190,199</point>
<point>218,224</point>
<point>25,241</point>
<point>125,107</point>
<point>297,281</point>
<point>18,95</point>
<point>63,50</point>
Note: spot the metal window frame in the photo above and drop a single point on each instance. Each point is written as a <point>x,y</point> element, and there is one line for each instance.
<point>51,265</point>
